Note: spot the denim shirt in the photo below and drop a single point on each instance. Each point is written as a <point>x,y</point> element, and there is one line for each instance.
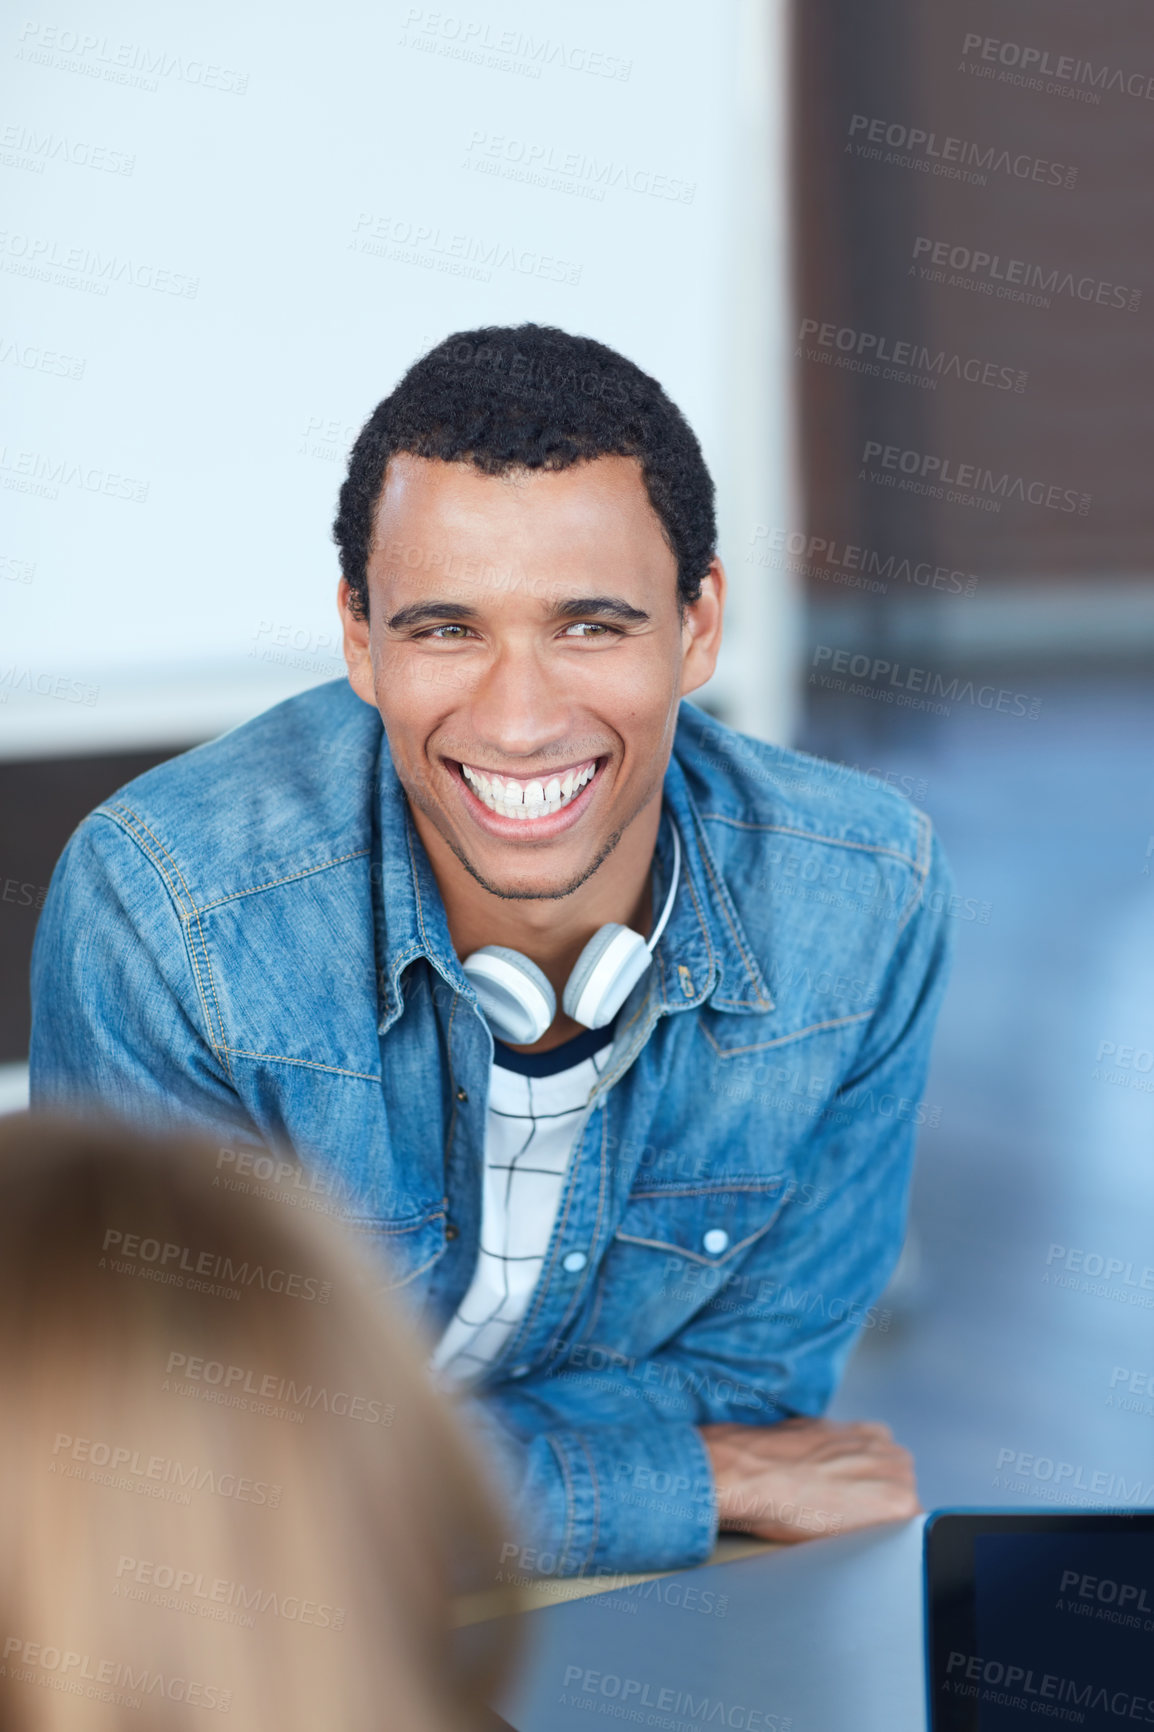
<point>249,939</point>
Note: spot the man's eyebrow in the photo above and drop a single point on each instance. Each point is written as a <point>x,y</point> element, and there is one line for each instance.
<point>578,606</point>
<point>573,607</point>
<point>420,612</point>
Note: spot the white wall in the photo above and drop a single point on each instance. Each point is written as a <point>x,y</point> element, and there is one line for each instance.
<point>227,232</point>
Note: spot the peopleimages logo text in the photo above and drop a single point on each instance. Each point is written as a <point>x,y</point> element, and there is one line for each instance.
<point>850,563</point>
<point>1018,277</point>
<point>942,153</point>
<point>121,1683</point>
<point>238,1380</point>
<point>1092,1482</point>
<point>1063,67</point>
<point>883,678</point>
<point>970,477</point>
<point>1051,1687</point>
<point>177,1260</point>
<point>870,351</point>
<point>102,56</point>
<point>33,255</point>
<point>474,40</point>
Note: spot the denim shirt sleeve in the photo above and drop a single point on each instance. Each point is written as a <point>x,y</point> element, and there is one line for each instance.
<point>119,1018</point>
<point>601,1454</point>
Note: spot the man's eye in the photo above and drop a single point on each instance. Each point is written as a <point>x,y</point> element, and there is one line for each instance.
<point>441,630</point>
<point>591,628</point>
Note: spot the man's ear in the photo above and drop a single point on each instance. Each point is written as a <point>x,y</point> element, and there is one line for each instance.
<point>355,635</point>
<point>701,630</point>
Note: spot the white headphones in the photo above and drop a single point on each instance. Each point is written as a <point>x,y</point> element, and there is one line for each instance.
<point>518,1001</point>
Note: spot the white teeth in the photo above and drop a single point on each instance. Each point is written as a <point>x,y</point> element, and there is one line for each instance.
<point>536,799</point>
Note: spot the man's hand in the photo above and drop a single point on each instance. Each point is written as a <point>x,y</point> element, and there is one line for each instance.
<point>804,1477</point>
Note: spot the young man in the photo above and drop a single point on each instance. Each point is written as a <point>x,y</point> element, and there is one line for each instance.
<point>645,1227</point>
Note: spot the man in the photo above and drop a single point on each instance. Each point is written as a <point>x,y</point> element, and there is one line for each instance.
<point>645,1237</point>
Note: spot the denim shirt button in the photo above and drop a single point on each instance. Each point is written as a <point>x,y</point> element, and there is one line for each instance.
<point>520,1371</point>
<point>715,1241</point>
<point>574,1262</point>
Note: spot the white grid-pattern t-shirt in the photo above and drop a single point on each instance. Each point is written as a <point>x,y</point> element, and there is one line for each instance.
<point>529,1135</point>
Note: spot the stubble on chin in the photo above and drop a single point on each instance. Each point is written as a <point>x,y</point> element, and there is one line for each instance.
<point>539,895</point>
<point>417,796</point>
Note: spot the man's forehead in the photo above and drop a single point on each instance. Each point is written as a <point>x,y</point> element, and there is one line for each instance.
<point>461,491</point>
<point>411,569</point>
<point>523,529</point>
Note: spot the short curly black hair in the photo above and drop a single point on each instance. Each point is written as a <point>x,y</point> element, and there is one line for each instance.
<point>512,397</point>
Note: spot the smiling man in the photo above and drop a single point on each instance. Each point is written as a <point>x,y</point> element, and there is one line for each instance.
<point>608,1025</point>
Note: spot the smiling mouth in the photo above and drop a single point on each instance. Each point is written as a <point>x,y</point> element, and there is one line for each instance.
<point>532,797</point>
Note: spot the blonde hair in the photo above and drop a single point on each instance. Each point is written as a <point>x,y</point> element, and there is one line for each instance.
<point>225,1482</point>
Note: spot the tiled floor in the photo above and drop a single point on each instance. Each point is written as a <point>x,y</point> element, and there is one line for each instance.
<point>1042,1166</point>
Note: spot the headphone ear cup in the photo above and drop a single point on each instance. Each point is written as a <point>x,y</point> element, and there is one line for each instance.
<point>514,994</point>
<point>605,974</point>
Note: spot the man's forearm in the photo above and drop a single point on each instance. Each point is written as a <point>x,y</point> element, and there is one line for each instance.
<point>601,1496</point>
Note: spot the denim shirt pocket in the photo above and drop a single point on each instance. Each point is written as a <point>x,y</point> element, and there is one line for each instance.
<point>675,1247</point>
<point>404,1247</point>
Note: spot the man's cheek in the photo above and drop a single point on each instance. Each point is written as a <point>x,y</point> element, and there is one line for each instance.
<point>414,686</point>
<point>443,676</point>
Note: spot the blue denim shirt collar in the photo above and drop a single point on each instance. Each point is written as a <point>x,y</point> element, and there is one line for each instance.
<point>703,954</point>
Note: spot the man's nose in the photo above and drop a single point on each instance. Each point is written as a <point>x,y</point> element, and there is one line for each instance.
<point>519,705</point>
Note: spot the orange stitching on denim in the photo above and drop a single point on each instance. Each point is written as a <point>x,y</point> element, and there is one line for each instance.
<point>217,1045</point>
<point>365,1223</point>
<point>305,1063</point>
<point>784,1039</point>
<point>723,1188</point>
<point>114,812</point>
<point>704,925</point>
<point>289,878</point>
<point>184,919</point>
<point>723,898</point>
<point>924,846</point>
<point>812,836</point>
<point>668,1244</point>
<point>416,883</point>
<point>452,1092</point>
<point>196,916</point>
<point>750,968</point>
<point>395,1286</point>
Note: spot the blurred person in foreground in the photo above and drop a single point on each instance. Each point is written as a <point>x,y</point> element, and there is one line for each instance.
<point>613,1022</point>
<point>230,1492</point>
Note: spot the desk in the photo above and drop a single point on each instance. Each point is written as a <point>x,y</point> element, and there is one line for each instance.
<point>820,1637</point>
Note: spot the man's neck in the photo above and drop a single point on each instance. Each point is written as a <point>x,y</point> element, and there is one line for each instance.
<point>552,933</point>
